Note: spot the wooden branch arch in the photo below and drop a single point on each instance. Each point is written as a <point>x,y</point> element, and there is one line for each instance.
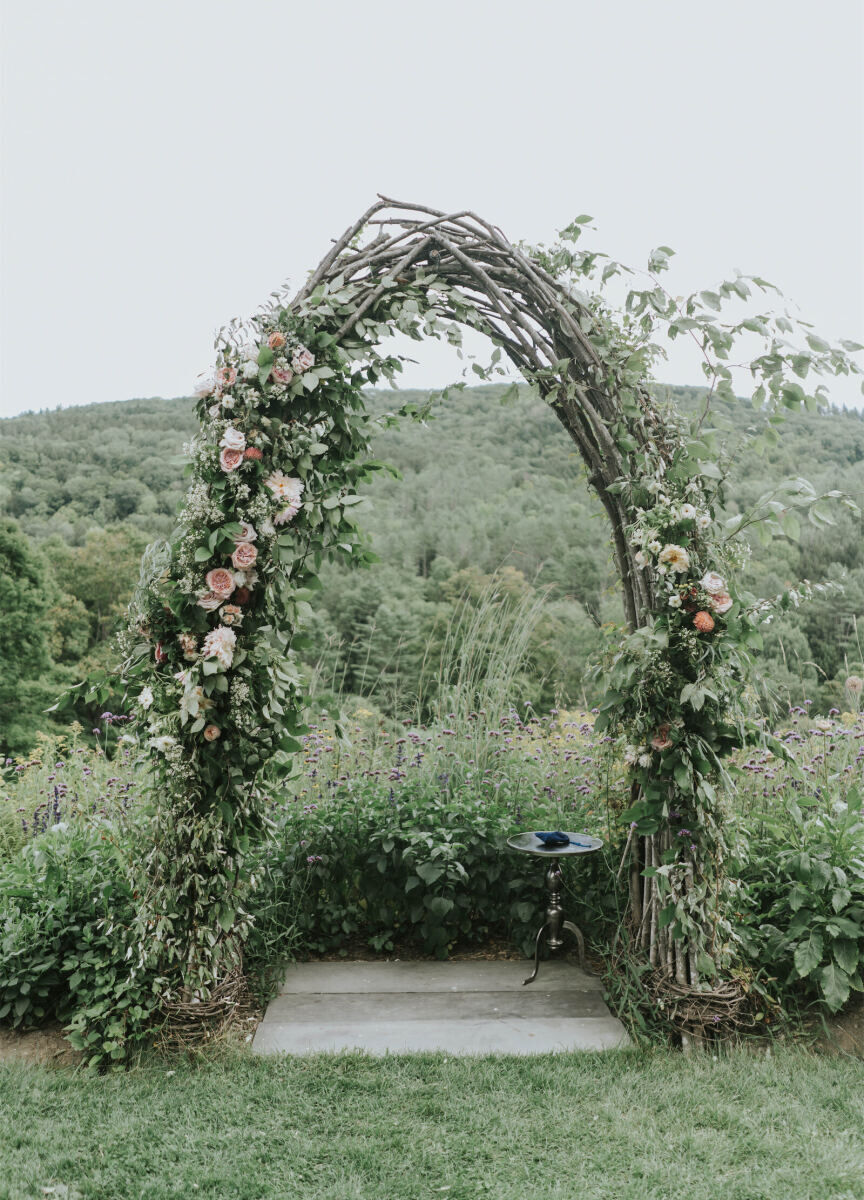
<point>540,326</point>
<point>184,640</point>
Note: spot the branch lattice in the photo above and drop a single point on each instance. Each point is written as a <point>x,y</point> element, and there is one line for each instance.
<point>520,306</point>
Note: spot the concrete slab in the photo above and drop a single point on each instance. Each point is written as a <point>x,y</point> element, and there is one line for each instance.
<point>471,1007</point>
<point>541,1036</point>
<point>343,1007</point>
<point>464,976</point>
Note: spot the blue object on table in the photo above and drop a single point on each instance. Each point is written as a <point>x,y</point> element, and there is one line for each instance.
<point>556,839</point>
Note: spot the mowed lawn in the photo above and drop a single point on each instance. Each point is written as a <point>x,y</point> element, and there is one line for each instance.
<point>621,1124</point>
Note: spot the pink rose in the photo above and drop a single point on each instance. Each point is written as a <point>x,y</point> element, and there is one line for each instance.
<point>244,556</point>
<point>221,581</point>
<point>210,601</point>
<point>230,460</point>
<point>226,376</point>
<point>282,375</point>
<point>211,733</point>
<point>661,739</point>
<point>721,602</point>
<point>303,359</point>
<point>276,340</point>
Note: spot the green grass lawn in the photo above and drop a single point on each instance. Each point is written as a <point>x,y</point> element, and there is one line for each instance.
<point>621,1124</point>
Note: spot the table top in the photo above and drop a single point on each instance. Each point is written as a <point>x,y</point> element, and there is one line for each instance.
<point>528,843</point>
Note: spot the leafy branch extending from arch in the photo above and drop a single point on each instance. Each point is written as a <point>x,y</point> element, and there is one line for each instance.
<point>283,442</point>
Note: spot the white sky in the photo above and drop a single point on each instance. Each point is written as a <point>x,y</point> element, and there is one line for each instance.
<point>167,164</point>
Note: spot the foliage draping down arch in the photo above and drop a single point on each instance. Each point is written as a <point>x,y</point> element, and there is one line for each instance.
<point>214,624</point>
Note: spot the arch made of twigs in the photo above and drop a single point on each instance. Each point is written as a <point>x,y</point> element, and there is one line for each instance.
<point>542,328</point>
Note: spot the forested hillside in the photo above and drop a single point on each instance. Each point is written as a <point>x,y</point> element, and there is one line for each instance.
<point>487,490</point>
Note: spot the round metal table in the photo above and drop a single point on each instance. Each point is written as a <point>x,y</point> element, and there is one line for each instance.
<point>554,924</point>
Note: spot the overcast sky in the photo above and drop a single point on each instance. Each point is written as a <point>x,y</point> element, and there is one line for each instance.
<point>167,164</point>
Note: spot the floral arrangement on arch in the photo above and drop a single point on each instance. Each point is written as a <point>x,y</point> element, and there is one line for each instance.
<point>212,634</point>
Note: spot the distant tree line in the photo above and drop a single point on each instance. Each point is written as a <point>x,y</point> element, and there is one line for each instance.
<point>491,495</point>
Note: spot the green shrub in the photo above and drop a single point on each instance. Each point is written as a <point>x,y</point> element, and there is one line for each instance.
<point>804,896</point>
<point>427,870</point>
<point>65,908</point>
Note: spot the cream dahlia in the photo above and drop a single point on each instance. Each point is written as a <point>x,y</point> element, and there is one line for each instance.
<point>285,487</point>
<point>219,643</point>
<point>675,558</point>
<point>286,514</point>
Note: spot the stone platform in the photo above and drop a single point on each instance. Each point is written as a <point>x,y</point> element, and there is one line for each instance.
<point>472,1007</point>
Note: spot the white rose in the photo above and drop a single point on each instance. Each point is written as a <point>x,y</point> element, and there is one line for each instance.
<point>145,698</point>
<point>713,583</point>
<point>233,439</point>
<point>227,401</point>
<point>204,385</point>
<point>213,411</point>
<point>674,601</point>
<point>645,760</point>
<point>250,370</point>
<point>247,533</point>
<point>250,352</point>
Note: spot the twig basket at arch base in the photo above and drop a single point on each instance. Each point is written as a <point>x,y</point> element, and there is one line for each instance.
<point>282,445</point>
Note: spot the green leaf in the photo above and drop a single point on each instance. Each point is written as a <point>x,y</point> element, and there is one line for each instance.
<point>429,872</point>
<point>202,554</point>
<point>226,917</point>
<point>808,954</point>
<point>835,985</point>
<point>845,952</point>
